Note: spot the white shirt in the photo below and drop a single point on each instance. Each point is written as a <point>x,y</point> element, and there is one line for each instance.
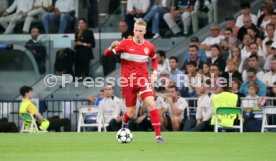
<point>250,101</point>
<point>21,5</point>
<point>44,3</point>
<point>263,44</point>
<point>204,108</point>
<point>239,21</point>
<point>65,5</point>
<point>211,41</point>
<point>180,104</point>
<point>110,108</point>
<point>138,4</point>
<point>246,53</point>
<point>195,81</point>
<point>269,79</point>
<point>160,103</point>
<point>260,76</point>
<point>267,62</point>
<point>164,67</point>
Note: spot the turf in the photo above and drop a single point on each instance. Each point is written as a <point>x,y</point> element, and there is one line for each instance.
<point>103,147</point>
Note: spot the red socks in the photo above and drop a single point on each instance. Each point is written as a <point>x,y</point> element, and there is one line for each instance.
<point>155,121</point>
<point>126,118</point>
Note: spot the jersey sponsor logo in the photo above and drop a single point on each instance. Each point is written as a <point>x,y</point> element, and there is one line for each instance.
<point>146,50</point>
<point>131,49</point>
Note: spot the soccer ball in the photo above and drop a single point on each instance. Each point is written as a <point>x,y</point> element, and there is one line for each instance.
<point>124,135</point>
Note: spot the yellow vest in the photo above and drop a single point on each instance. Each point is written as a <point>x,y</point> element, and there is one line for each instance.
<point>224,99</point>
<point>27,106</point>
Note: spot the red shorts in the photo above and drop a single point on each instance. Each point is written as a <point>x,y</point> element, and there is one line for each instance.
<point>129,92</point>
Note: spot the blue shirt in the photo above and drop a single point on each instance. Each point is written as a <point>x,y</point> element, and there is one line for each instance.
<point>261,85</point>
<point>178,77</point>
<point>200,54</point>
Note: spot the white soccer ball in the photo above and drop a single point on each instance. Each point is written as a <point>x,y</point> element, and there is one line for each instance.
<point>124,135</point>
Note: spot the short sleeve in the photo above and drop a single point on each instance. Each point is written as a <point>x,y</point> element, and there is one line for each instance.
<point>182,104</point>
<point>32,109</point>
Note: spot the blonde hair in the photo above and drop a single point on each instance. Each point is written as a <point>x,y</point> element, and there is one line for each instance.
<point>140,22</point>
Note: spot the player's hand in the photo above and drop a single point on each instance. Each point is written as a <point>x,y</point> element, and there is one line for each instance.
<point>114,44</point>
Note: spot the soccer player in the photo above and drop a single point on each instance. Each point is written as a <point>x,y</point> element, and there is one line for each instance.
<point>134,58</point>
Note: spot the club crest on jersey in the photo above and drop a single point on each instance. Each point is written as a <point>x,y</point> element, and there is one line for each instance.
<point>146,50</point>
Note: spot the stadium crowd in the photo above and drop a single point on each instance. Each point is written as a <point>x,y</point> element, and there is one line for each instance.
<point>244,51</point>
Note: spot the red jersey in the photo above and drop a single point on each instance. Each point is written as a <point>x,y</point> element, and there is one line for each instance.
<point>134,57</point>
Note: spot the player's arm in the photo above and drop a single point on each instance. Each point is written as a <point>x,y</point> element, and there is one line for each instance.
<point>154,65</point>
<point>115,47</point>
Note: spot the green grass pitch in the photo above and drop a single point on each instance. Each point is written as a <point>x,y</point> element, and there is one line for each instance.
<point>180,146</point>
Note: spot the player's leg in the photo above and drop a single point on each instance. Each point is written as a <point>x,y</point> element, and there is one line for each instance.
<point>129,94</point>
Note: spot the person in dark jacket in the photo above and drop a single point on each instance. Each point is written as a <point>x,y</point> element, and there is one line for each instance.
<point>64,61</point>
<point>216,57</point>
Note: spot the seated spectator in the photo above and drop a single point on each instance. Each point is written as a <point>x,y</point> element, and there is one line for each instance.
<point>176,106</point>
<point>230,23</point>
<point>200,52</point>
<point>155,13</point>
<point>236,83</point>
<point>265,18</point>
<point>181,10</point>
<point>136,9</point>
<point>40,7</point>
<point>235,55</point>
<point>3,6</point>
<point>252,78</point>
<point>204,111</point>
<point>64,12</point>
<point>231,71</point>
<point>98,98</point>
<point>206,70</point>
<point>273,94</point>
<point>215,78</point>
<point>215,38</point>
<point>270,30</point>
<point>245,46</point>
<point>270,77</point>
<point>191,80</point>
<point>252,97</point>
<point>254,50</point>
<point>125,33</point>
<point>245,10</point>
<point>256,38</point>
<point>247,23</point>
<point>10,18</point>
<point>6,126</point>
<point>176,74</point>
<point>64,61</point>
<point>163,62</point>
<point>53,123</point>
<point>193,56</point>
<point>253,63</point>
<point>229,40</point>
<point>271,56</point>
<point>37,49</point>
<point>273,19</point>
<point>110,108</point>
<point>163,82</point>
<point>217,57</point>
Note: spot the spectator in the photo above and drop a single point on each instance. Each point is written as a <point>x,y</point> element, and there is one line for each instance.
<point>191,80</point>
<point>200,54</point>
<point>253,63</point>
<point>64,12</point>
<point>216,57</point>
<point>215,38</point>
<point>176,106</point>
<point>163,82</point>
<point>229,40</point>
<point>273,19</point>
<point>230,23</point>
<point>251,99</point>
<point>136,9</point>
<point>247,23</point>
<point>181,10</point>
<point>175,73</point>
<point>98,98</point>
<point>10,18</point>
<point>40,7</point>
<point>256,38</point>
<point>271,56</point>
<point>252,78</point>
<point>84,43</point>
<point>270,77</point>
<point>273,94</point>
<point>193,56</point>
<point>245,9</point>
<point>270,30</point>
<point>155,13</point>
<point>110,108</point>
<point>27,106</point>
<point>203,111</point>
<point>6,126</point>
<point>231,71</point>
<point>215,78</point>
<point>253,50</point>
<point>206,70</point>
<point>236,83</point>
<point>38,50</point>
<point>245,47</point>
<point>236,56</point>
<point>163,62</point>
<point>3,6</point>
<point>64,61</point>
<point>123,28</point>
<point>265,18</point>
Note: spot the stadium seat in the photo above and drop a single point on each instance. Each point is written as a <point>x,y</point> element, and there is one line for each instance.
<point>266,111</point>
<point>29,124</point>
<point>91,110</point>
<point>228,111</point>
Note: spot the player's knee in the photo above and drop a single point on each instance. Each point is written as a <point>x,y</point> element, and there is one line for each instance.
<point>131,113</point>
